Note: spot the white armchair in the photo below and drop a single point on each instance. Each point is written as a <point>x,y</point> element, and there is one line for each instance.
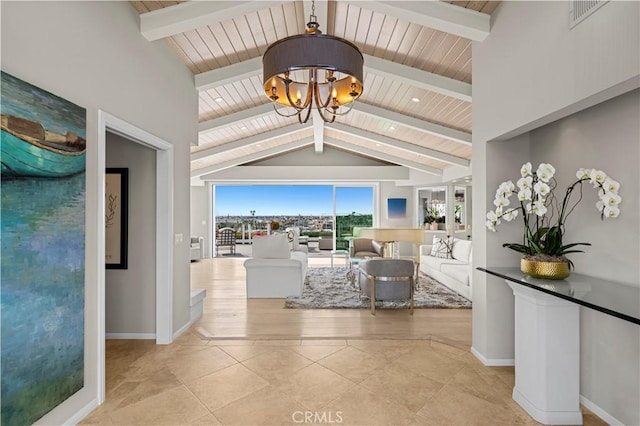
<point>197,248</point>
<point>294,237</point>
<point>274,271</point>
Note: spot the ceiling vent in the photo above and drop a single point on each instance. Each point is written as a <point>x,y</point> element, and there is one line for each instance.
<point>579,10</point>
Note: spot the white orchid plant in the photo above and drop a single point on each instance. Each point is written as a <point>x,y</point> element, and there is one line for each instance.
<point>544,216</point>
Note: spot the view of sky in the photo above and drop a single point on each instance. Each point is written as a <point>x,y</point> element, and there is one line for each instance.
<point>291,200</point>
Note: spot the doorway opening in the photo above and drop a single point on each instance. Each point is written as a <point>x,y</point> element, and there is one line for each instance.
<point>164,231</point>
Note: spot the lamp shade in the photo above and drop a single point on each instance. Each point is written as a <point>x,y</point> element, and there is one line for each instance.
<point>414,235</point>
<point>313,51</point>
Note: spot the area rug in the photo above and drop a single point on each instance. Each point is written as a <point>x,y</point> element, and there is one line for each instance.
<point>328,288</point>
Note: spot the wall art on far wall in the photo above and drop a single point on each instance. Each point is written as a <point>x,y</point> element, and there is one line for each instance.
<point>397,208</point>
<point>116,217</point>
<point>43,250</point>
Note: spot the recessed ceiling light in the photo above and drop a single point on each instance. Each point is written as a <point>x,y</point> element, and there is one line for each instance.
<point>415,100</point>
<point>243,128</point>
<point>219,99</point>
<point>392,128</point>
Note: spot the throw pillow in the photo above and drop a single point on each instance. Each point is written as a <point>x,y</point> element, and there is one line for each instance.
<point>461,249</point>
<point>441,248</point>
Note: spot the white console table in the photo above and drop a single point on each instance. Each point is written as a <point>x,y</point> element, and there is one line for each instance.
<point>547,337</point>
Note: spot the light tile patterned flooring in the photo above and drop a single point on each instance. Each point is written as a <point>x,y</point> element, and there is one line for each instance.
<point>264,381</point>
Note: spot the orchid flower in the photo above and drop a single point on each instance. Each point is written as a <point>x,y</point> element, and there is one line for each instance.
<point>544,214</point>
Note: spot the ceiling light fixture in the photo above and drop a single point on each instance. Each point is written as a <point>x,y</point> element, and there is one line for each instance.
<point>308,56</point>
<point>415,100</point>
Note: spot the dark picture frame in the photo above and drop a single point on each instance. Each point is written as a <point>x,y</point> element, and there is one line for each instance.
<point>116,217</point>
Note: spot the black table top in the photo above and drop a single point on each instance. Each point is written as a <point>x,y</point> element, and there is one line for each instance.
<point>610,297</point>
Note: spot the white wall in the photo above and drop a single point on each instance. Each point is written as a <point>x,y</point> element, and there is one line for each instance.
<point>533,70</point>
<point>390,190</point>
<point>130,294</point>
<point>92,54</point>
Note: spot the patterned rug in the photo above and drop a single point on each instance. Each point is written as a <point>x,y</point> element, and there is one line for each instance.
<point>328,288</point>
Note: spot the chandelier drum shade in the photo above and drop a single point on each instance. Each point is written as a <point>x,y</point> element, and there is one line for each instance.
<point>331,69</point>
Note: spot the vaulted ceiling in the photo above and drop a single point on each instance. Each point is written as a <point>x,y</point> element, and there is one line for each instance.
<point>415,110</point>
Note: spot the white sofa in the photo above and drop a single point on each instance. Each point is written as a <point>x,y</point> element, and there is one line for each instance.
<point>275,271</point>
<point>456,272</point>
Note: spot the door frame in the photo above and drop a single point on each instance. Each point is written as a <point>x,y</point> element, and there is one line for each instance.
<point>164,231</point>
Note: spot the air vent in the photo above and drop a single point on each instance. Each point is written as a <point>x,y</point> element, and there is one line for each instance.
<point>579,10</point>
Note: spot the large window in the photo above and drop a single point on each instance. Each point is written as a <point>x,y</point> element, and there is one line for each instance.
<point>318,210</point>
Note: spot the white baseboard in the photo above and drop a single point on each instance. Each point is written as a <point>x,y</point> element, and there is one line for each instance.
<point>197,303</point>
<point>130,336</point>
<point>600,412</point>
<point>82,413</point>
<point>493,362</point>
<point>182,329</point>
<point>584,401</point>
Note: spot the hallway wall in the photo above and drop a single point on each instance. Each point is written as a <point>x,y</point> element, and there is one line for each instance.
<point>92,54</point>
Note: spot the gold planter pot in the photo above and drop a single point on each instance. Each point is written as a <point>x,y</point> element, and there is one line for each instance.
<point>545,270</point>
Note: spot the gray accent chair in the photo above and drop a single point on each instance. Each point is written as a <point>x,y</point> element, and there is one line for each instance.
<point>365,247</point>
<point>387,279</point>
<point>360,249</point>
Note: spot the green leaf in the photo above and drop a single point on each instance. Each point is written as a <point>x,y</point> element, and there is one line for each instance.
<point>570,251</point>
<point>574,244</point>
<point>536,248</point>
<point>520,248</point>
<point>541,233</point>
<point>553,241</point>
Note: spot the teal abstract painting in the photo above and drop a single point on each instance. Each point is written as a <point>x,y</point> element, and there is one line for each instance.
<point>43,250</point>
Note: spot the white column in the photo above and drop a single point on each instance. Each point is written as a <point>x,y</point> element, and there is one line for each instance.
<point>547,356</point>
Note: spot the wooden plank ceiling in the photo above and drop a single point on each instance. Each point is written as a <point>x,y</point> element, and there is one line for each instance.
<point>415,108</point>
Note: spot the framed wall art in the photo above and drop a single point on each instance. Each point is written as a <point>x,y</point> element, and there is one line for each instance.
<point>42,194</point>
<point>116,217</point>
<point>397,208</point>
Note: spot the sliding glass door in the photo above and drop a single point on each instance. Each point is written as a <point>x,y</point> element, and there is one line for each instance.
<point>353,209</point>
<point>321,212</point>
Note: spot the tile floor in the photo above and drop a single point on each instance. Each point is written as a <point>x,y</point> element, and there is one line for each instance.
<point>281,382</point>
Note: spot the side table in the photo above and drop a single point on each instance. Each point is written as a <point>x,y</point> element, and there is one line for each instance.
<point>340,253</point>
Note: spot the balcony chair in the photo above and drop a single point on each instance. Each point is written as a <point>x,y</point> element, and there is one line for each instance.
<point>226,237</point>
